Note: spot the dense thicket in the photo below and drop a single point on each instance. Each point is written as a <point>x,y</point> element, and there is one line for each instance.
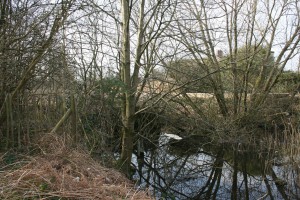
<point>109,73</point>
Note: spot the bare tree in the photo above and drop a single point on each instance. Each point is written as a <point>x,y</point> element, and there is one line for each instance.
<point>204,27</point>
<point>28,29</point>
<point>148,23</point>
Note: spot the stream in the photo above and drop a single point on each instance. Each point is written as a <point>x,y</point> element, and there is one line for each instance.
<point>177,169</point>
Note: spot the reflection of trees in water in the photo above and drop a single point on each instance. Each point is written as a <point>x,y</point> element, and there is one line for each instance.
<point>215,174</point>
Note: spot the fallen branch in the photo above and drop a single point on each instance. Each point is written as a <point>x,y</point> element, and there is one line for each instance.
<point>62,120</point>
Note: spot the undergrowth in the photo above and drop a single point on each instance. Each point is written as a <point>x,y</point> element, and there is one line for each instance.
<point>61,172</point>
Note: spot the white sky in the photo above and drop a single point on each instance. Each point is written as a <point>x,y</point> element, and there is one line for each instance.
<point>105,32</point>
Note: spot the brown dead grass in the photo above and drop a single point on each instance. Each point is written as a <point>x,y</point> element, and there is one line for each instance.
<point>64,173</point>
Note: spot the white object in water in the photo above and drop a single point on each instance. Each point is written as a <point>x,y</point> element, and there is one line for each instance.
<point>173,136</point>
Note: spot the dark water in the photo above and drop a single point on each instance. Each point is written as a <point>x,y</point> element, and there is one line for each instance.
<point>185,170</point>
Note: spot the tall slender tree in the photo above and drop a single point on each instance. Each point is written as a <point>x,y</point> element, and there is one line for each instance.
<point>149,22</point>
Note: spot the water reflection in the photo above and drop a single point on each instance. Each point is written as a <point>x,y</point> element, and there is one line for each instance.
<point>223,171</point>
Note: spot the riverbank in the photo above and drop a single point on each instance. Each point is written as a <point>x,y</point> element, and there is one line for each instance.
<point>58,171</point>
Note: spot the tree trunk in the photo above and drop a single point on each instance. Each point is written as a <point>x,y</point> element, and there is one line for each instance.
<point>130,82</point>
<point>128,107</point>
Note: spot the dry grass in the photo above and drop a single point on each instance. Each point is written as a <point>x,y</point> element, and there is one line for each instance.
<point>64,173</point>
<point>290,145</point>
